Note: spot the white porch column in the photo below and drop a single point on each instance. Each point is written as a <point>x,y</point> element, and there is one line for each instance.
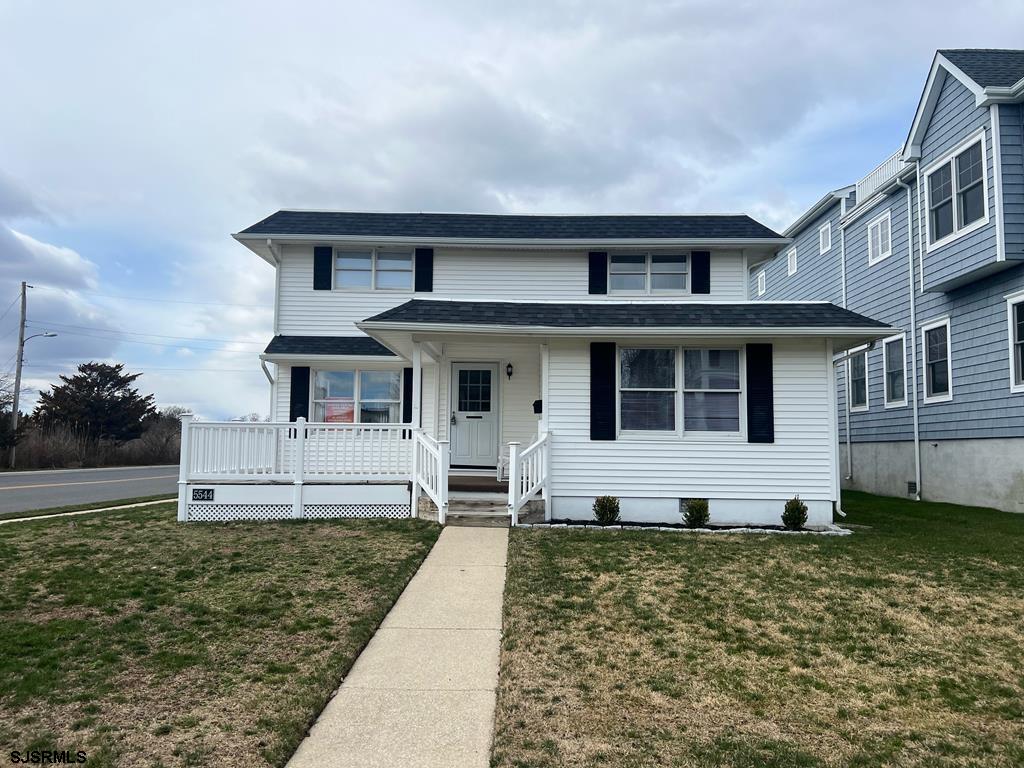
<point>184,463</point>
<point>417,384</point>
<point>300,460</point>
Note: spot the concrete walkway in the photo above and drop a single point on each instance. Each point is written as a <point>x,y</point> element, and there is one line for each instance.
<point>422,693</point>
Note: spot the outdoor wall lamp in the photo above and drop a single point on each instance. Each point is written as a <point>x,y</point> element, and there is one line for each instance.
<point>509,370</point>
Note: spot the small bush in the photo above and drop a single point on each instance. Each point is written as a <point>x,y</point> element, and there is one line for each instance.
<point>794,516</point>
<point>696,514</point>
<point>606,510</point>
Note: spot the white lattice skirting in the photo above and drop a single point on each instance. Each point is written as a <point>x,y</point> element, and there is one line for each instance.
<point>218,503</point>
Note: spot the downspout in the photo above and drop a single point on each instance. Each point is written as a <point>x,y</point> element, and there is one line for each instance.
<point>913,336</point>
<point>846,356</point>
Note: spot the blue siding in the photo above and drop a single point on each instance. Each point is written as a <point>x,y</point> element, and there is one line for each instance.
<point>955,119</point>
<point>1011,133</point>
<point>818,274</point>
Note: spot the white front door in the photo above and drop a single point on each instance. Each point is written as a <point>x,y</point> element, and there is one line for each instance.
<point>474,419</point>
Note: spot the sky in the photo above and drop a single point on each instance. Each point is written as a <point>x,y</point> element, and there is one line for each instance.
<point>135,137</point>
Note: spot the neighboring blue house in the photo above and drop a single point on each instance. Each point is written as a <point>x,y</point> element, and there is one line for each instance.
<point>931,242</point>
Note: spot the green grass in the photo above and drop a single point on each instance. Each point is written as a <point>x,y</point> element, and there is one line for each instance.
<point>81,507</point>
<point>902,645</point>
<point>148,642</point>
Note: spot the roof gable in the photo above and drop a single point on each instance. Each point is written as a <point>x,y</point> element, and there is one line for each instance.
<point>988,67</point>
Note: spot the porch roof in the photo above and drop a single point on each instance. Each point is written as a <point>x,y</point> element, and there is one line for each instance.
<point>396,327</point>
<point>330,346</point>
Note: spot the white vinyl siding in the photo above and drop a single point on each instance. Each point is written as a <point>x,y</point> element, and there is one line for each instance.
<point>824,237</point>
<point>468,274</point>
<point>956,192</point>
<point>938,361</point>
<point>791,262</point>
<point>880,238</point>
<point>799,461</point>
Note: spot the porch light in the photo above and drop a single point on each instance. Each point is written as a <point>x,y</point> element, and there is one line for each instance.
<point>509,370</point>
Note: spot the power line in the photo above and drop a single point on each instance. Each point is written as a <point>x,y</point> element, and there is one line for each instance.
<point>13,301</point>
<point>152,298</point>
<point>54,323</point>
<point>150,343</point>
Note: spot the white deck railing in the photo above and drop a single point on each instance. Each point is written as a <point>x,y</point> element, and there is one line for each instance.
<point>885,171</point>
<point>528,473</point>
<point>431,460</point>
<point>293,451</point>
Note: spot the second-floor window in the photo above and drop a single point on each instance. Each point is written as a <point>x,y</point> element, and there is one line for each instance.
<point>373,269</point>
<point>825,237</point>
<point>791,261</point>
<point>647,273</point>
<point>880,238</point>
<point>956,193</point>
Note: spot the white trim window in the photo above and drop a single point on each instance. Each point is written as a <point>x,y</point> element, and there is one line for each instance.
<point>651,399</point>
<point>647,389</point>
<point>825,237</point>
<point>761,283</point>
<point>646,273</point>
<point>357,396</point>
<point>1015,318</point>
<point>791,262</point>
<point>711,390</point>
<point>376,269</point>
<point>957,192</point>
<point>879,238</point>
<point>858,381</point>
<point>894,367</point>
<point>938,362</point>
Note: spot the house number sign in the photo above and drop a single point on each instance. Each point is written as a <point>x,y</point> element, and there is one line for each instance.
<point>202,494</point>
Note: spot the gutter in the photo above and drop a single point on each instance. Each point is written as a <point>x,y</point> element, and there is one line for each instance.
<point>551,243</point>
<point>913,338</point>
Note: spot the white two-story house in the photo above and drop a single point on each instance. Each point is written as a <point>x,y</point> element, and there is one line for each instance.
<point>560,357</point>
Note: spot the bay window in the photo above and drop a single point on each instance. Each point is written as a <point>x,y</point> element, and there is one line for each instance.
<point>956,189</point>
<point>373,269</point>
<point>365,397</point>
<point>657,383</point>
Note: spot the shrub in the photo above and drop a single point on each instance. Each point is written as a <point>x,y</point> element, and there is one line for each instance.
<point>606,510</point>
<point>696,514</point>
<point>794,516</point>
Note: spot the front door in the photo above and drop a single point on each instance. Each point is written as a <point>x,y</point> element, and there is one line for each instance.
<point>474,419</point>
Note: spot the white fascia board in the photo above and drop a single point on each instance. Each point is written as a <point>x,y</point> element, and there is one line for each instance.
<point>930,96</point>
<point>682,330</point>
<point>997,94</point>
<point>524,243</point>
<point>293,358</point>
<point>826,202</point>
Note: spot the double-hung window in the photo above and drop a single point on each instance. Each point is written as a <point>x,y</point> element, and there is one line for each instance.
<point>791,261</point>
<point>825,237</point>
<point>956,188</point>
<point>859,381</point>
<point>650,394</point>
<point>373,269</point>
<point>366,397</point>
<point>1015,312</point>
<point>647,273</point>
<point>938,370</point>
<point>761,283</point>
<point>895,365</point>
<point>711,390</point>
<point>879,238</point>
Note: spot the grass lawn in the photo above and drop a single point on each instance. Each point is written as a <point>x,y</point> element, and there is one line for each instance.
<point>902,645</point>
<point>147,642</point>
<point>81,507</point>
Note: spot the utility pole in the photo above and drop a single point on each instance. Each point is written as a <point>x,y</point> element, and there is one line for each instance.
<point>17,374</point>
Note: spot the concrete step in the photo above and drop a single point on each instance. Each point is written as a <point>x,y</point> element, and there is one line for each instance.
<point>477,520</point>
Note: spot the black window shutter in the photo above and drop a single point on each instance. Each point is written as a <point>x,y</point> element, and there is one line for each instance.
<point>299,401</point>
<point>760,394</point>
<point>598,272</point>
<point>424,270</point>
<point>700,272</point>
<point>407,395</point>
<point>602,390</point>
<point>322,257</point>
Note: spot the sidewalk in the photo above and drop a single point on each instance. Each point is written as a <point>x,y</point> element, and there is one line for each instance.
<point>422,693</point>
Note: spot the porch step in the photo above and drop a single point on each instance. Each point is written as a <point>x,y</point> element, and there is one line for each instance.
<point>461,520</point>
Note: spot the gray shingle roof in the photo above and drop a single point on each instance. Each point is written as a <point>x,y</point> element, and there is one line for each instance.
<point>427,226</point>
<point>325,345</point>
<point>607,315</point>
<point>988,66</point>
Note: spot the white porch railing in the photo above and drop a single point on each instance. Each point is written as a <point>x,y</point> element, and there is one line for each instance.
<point>430,463</point>
<point>528,472</point>
<point>886,170</point>
<point>233,451</point>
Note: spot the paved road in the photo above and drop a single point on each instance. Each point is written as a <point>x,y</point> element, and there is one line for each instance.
<point>24,491</point>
